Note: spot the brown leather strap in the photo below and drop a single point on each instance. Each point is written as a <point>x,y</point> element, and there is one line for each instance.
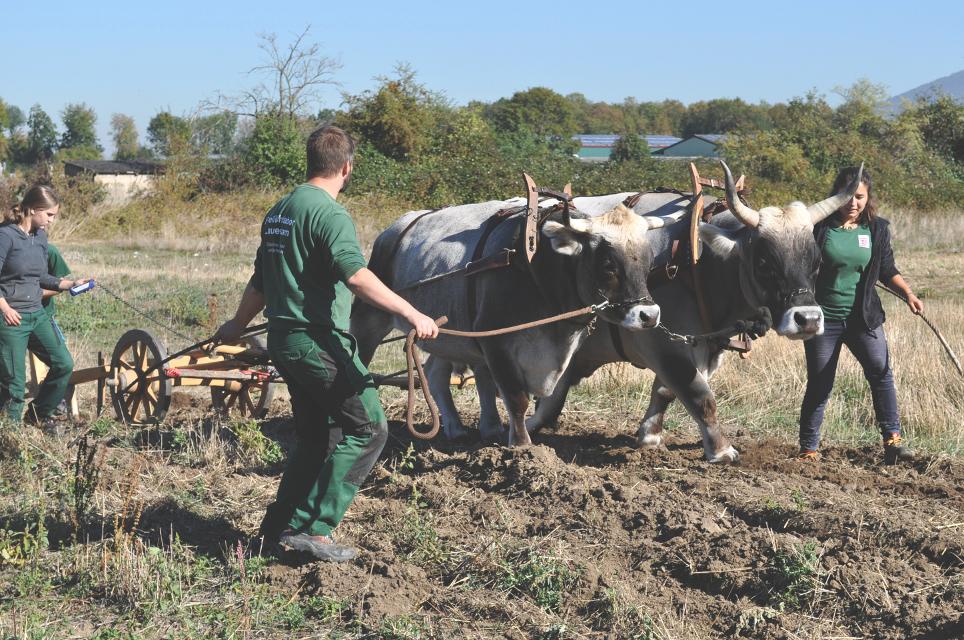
<point>376,268</point>
<point>489,226</point>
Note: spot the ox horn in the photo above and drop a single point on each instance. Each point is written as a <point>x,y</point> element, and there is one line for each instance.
<point>744,214</point>
<point>820,210</point>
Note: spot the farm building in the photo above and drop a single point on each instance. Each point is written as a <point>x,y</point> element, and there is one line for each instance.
<point>598,147</point>
<point>703,145</point>
<point>121,180</point>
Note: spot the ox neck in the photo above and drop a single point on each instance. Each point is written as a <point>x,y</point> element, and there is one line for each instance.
<point>554,276</point>
<point>719,277</point>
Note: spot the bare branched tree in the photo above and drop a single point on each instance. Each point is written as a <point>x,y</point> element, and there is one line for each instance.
<point>293,75</point>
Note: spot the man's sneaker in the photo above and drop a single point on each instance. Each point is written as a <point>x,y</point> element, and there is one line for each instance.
<point>49,425</point>
<point>807,454</point>
<point>894,451</point>
<point>318,547</point>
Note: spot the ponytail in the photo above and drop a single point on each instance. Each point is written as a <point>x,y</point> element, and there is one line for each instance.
<point>39,196</point>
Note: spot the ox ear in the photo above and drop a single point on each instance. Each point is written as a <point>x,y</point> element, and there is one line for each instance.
<point>564,240</point>
<point>720,241</point>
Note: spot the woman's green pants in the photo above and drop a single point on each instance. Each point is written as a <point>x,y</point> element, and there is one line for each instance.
<point>49,346</point>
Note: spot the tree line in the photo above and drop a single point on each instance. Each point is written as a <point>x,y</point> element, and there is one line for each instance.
<point>418,146</point>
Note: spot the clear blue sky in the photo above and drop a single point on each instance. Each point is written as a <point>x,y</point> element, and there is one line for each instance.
<point>139,58</point>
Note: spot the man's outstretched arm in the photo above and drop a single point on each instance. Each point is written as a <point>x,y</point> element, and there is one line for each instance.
<point>369,288</point>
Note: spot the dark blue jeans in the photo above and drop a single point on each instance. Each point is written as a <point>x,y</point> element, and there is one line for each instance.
<point>823,351</point>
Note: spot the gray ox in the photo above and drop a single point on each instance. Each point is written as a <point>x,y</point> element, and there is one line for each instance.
<point>580,261</point>
<point>755,259</point>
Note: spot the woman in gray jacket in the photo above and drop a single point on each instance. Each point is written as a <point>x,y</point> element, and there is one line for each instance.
<point>23,272</point>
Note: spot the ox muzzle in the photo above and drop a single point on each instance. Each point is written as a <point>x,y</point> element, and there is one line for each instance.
<point>634,315</point>
<point>801,321</point>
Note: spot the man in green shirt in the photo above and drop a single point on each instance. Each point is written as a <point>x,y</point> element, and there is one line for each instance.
<point>308,265</point>
<point>56,266</point>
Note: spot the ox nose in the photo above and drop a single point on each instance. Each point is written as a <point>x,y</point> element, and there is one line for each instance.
<point>808,321</point>
<point>649,316</point>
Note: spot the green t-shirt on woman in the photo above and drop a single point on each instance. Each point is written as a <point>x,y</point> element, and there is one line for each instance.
<point>308,252</point>
<point>846,254</point>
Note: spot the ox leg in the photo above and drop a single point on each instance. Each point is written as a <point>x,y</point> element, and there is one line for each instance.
<point>692,389</point>
<point>549,408</point>
<point>650,434</point>
<point>516,404</point>
<point>369,326</point>
<point>439,374</point>
<point>490,422</point>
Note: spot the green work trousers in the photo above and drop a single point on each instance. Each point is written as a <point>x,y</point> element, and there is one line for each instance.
<point>37,329</point>
<point>340,425</point>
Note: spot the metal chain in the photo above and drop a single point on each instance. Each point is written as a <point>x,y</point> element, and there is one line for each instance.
<point>144,315</point>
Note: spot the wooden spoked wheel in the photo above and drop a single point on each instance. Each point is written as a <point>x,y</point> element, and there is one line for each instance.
<point>140,393</point>
<point>246,399</point>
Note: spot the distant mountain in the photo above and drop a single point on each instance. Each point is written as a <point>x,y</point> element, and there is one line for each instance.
<point>952,85</point>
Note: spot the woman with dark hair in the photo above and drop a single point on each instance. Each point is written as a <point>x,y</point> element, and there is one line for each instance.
<point>856,252</point>
<point>23,272</point>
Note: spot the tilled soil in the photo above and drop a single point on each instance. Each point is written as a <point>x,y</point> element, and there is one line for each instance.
<point>653,544</point>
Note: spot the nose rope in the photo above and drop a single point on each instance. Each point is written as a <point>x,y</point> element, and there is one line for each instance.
<point>625,304</point>
<point>793,294</point>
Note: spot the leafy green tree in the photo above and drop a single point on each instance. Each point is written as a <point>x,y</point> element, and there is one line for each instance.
<point>168,133</point>
<point>274,153</point>
<point>15,119</point>
<point>214,134</point>
<point>724,115</point>
<point>124,134</point>
<point>539,110</point>
<point>79,131</point>
<point>4,123</point>
<point>940,122</point>
<point>41,136</point>
<point>630,148</point>
<point>400,119</point>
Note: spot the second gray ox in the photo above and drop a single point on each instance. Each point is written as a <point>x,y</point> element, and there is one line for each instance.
<point>580,262</point>
<point>765,258</point>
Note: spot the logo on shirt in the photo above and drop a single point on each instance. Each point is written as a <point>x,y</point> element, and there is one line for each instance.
<point>863,242</point>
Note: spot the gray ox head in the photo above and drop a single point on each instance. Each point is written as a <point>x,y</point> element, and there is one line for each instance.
<point>611,263</point>
<point>779,258</point>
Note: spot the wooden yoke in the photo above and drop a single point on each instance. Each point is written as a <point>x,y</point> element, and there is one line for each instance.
<point>696,214</point>
<point>532,217</point>
<point>743,343</point>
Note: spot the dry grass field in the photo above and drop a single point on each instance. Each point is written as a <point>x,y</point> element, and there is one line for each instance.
<point>140,532</point>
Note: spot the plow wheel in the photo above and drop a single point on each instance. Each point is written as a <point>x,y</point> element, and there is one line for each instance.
<point>140,393</point>
<point>247,399</point>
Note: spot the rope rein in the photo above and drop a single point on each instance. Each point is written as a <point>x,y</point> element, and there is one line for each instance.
<point>415,363</point>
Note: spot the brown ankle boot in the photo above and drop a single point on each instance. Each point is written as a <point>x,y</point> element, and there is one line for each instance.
<point>894,451</point>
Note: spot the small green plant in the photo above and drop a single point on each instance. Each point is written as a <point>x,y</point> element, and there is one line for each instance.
<point>614,613</point>
<point>405,463</point>
<point>101,427</point>
<point>403,627</point>
<point>417,536</point>
<point>253,443</point>
<point>796,575</point>
<point>752,619</point>
<point>542,577</point>
<point>800,501</point>
<point>18,547</point>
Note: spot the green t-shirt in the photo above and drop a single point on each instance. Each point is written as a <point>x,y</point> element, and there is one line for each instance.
<point>308,252</point>
<point>846,254</point>
<point>55,267</point>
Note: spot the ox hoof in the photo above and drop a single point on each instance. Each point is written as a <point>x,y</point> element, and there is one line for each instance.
<point>494,435</point>
<point>455,432</point>
<point>535,426</point>
<point>649,440</point>
<point>726,456</point>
